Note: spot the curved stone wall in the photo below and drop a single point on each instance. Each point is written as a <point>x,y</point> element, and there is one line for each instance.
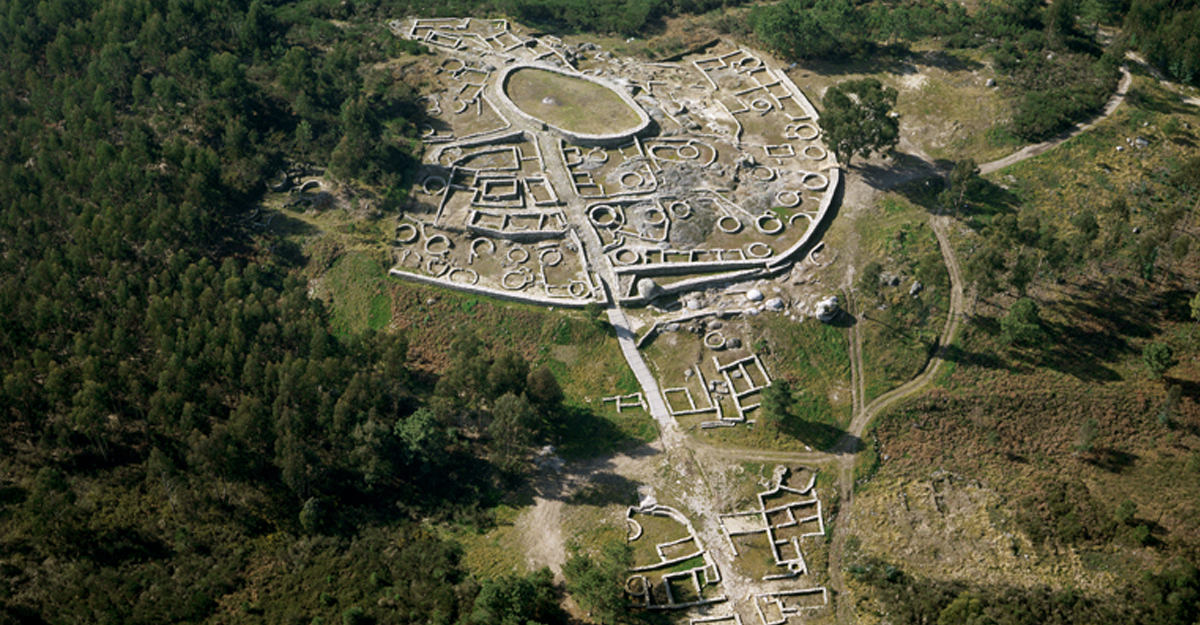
<point>600,140</point>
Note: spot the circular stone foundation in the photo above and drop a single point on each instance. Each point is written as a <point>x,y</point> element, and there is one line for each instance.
<point>729,224</point>
<point>407,233</point>
<point>787,199</point>
<point>769,224</point>
<point>605,216</point>
<point>758,249</point>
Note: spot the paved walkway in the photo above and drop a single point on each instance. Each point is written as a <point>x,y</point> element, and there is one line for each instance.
<point>671,435</point>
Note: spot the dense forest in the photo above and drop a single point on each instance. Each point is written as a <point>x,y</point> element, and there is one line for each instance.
<point>1055,68</point>
<point>182,436</point>
<point>1052,54</point>
<point>175,408</point>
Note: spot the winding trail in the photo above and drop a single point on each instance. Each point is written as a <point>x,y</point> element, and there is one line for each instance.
<point>859,423</point>
<point>691,456</point>
<point>1031,151</point>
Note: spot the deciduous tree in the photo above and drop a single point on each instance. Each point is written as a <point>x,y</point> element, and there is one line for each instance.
<point>1158,357</point>
<point>1023,323</point>
<point>598,583</point>
<point>857,120</point>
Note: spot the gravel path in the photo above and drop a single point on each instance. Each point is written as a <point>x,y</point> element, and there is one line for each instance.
<point>1041,148</point>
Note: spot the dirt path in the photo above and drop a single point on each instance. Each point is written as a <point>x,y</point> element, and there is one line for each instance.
<point>1043,147</point>
<point>543,522</point>
<point>861,420</point>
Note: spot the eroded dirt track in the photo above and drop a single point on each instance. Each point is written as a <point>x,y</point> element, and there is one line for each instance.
<point>695,461</point>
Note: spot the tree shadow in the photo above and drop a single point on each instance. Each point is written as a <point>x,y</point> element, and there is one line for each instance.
<point>902,171</point>
<point>583,434</point>
<point>606,488</point>
<point>843,320</point>
<point>1176,304</point>
<point>1109,459</point>
<point>1189,388</point>
<point>956,354</point>
<point>1077,352</point>
<point>948,62</point>
<point>882,61</point>
<point>819,435</point>
<point>1120,314</point>
<point>1166,104</point>
<point>988,199</point>
<point>284,224</point>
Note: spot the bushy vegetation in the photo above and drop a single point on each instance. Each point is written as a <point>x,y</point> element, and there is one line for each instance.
<point>1172,596</point>
<point>807,29</point>
<point>1166,33</point>
<point>184,435</point>
<point>1057,72</point>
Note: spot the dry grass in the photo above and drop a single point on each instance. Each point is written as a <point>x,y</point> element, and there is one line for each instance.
<point>966,460</point>
<point>897,329</point>
<point>569,103</point>
<point>945,107</point>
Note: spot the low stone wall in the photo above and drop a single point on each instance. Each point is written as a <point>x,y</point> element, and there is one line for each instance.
<point>519,236</point>
<point>511,296</point>
<point>601,140</point>
<point>650,270</point>
<point>835,179</point>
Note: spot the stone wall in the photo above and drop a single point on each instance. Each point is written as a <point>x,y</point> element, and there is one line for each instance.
<point>602,140</point>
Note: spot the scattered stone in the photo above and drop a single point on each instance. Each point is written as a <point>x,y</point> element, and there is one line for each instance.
<point>827,309</point>
<point>671,327</point>
<point>693,304</point>
<point>647,288</point>
<point>737,375</point>
<point>733,343</point>
<point>991,82</point>
<point>688,373</point>
<point>915,288</point>
<point>754,295</point>
<point>774,303</point>
<point>715,325</point>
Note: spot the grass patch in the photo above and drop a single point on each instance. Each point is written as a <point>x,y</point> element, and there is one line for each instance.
<point>356,286</point>
<point>686,565</point>
<point>569,103</point>
<point>899,331</point>
<point>814,357</point>
<point>493,553</point>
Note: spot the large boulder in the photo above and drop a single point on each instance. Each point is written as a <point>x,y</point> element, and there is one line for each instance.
<point>828,309</point>
<point>648,289</point>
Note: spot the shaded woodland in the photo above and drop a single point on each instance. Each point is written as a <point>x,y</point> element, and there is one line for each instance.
<point>183,438</point>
